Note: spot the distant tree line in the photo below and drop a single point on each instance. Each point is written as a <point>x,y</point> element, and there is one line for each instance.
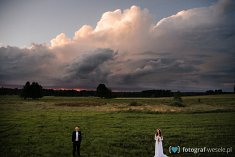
<point>35,91</point>
<point>68,93</point>
<point>10,91</point>
<point>214,92</point>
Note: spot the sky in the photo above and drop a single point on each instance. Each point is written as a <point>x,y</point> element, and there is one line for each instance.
<point>129,45</point>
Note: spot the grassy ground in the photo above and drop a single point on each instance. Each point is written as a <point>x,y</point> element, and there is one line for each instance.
<point>112,127</point>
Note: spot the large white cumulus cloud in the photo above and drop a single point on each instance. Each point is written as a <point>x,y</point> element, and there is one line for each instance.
<point>126,30</point>
<point>191,50</point>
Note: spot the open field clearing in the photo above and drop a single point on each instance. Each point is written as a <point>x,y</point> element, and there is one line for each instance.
<point>114,127</point>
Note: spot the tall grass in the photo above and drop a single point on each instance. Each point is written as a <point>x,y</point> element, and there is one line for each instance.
<point>41,129</point>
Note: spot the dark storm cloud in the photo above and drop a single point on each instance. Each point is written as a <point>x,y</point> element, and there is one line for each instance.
<point>19,65</point>
<point>40,64</point>
<point>90,68</point>
<point>159,72</point>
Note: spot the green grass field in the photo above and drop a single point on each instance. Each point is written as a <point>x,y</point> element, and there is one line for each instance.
<point>112,127</point>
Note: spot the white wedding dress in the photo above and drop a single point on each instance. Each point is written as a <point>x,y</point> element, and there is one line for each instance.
<point>158,147</point>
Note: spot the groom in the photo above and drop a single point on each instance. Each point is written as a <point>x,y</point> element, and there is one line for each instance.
<point>76,139</point>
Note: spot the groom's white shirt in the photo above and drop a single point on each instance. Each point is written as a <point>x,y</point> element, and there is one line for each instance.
<point>76,136</point>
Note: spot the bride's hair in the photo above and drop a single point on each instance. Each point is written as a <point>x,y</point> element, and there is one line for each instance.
<point>160,133</point>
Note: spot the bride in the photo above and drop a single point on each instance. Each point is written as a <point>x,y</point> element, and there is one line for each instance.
<point>158,144</point>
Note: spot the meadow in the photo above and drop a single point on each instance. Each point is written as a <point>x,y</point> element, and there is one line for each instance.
<point>114,127</point>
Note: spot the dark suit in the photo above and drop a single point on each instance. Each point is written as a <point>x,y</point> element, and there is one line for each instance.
<point>76,144</point>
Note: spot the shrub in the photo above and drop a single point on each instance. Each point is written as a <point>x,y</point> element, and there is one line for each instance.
<point>177,100</point>
<point>177,103</point>
<point>134,103</point>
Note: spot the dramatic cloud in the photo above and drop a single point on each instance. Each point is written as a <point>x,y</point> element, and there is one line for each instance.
<point>22,64</point>
<point>128,50</point>
<point>90,69</point>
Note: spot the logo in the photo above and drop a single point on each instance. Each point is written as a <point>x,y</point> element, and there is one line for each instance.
<point>174,149</point>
